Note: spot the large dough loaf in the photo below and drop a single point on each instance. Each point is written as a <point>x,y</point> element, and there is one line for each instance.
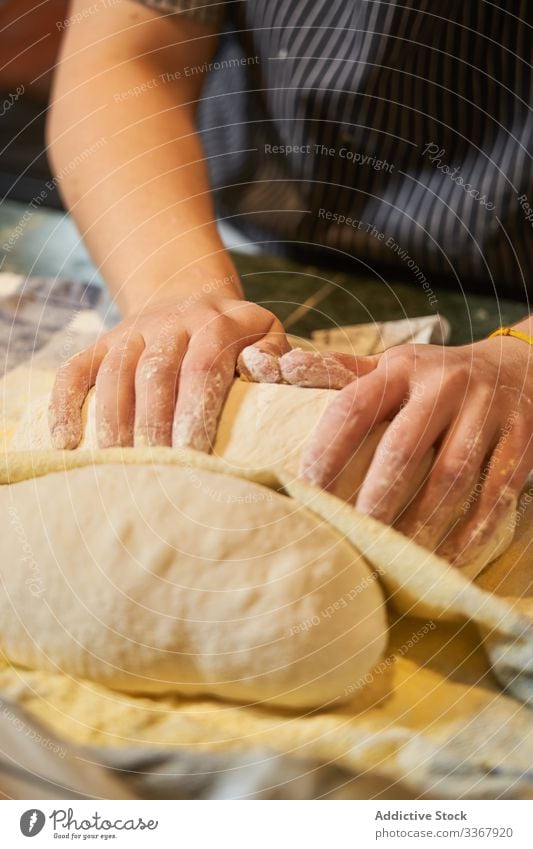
<point>266,425</point>
<point>262,425</point>
<point>163,578</point>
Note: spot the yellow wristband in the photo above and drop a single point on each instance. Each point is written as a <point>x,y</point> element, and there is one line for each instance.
<point>510,331</point>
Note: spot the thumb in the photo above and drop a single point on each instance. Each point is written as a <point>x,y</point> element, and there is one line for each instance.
<point>324,370</point>
<point>259,363</point>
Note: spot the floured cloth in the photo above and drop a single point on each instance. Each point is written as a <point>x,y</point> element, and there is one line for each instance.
<point>448,711</point>
<point>366,339</point>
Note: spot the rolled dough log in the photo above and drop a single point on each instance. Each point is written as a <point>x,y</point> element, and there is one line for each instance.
<point>266,426</point>
<point>262,425</point>
<point>147,578</point>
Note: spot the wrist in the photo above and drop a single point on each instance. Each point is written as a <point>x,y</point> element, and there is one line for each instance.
<point>512,357</point>
<point>515,339</point>
<point>196,284</point>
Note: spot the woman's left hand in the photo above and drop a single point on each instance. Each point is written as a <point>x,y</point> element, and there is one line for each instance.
<point>472,404</point>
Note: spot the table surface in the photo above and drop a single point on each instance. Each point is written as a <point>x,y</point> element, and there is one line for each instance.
<point>304,297</point>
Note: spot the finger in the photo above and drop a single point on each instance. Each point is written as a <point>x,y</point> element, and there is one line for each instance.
<point>72,383</point>
<point>358,408</point>
<point>454,474</point>
<point>206,374</point>
<point>156,384</point>
<point>491,519</point>
<point>115,392</point>
<point>395,471</point>
<point>259,363</point>
<point>323,370</point>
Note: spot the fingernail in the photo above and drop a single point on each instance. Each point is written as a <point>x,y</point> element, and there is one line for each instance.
<point>65,438</point>
<point>150,438</point>
<point>310,477</point>
<point>368,508</point>
<point>258,367</point>
<point>186,436</point>
<point>312,473</point>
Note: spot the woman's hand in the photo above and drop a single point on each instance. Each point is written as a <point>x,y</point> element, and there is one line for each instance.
<point>163,374</point>
<point>473,405</point>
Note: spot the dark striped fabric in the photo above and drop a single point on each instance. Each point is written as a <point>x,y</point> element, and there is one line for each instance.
<point>395,133</point>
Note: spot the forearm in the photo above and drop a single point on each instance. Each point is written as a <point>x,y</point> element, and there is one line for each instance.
<point>139,192</point>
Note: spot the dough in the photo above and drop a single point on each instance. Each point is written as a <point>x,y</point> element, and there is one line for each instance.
<point>262,425</point>
<point>267,426</point>
<point>159,578</point>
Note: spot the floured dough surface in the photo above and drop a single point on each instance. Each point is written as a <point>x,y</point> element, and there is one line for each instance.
<point>267,426</point>
<point>270,424</point>
<point>159,578</point>
<point>262,425</point>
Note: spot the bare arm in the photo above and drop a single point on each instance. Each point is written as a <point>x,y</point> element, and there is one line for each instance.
<point>123,103</point>
<point>131,169</point>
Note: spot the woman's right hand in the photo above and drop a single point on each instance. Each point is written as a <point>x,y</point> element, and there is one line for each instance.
<point>162,375</point>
